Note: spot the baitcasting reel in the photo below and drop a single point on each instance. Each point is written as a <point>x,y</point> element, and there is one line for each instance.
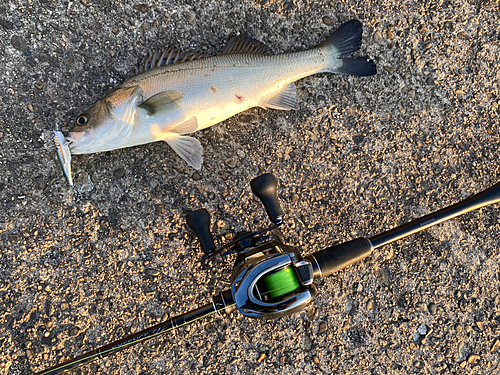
<point>271,279</point>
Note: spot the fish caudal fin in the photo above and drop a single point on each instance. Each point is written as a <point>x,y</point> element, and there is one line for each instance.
<point>187,148</point>
<point>345,41</point>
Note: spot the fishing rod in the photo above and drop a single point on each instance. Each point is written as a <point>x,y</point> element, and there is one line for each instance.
<point>271,279</point>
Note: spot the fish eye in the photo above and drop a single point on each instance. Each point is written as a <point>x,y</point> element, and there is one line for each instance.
<point>82,119</point>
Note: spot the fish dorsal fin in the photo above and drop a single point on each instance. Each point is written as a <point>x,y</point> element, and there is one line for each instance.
<point>246,45</point>
<point>165,100</point>
<point>168,56</point>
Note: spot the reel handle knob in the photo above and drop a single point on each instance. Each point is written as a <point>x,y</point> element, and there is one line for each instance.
<point>199,222</point>
<point>265,188</point>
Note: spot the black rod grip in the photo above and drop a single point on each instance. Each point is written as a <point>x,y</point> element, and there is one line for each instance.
<point>335,258</point>
<point>199,222</point>
<point>265,188</point>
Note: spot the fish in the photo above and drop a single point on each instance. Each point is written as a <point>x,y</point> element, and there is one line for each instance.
<point>178,93</point>
<point>63,154</point>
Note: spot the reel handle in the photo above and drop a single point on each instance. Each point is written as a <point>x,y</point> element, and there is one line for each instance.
<point>265,188</point>
<point>199,222</point>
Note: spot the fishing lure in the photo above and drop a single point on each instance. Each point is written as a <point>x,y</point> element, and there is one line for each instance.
<point>63,154</point>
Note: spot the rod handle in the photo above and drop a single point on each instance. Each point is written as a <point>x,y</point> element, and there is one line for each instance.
<point>335,258</point>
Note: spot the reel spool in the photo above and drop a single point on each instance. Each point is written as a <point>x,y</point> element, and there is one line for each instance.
<point>271,280</point>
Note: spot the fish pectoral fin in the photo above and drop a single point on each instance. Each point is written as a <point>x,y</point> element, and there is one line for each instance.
<point>163,101</point>
<point>188,126</point>
<point>284,100</point>
<point>187,148</point>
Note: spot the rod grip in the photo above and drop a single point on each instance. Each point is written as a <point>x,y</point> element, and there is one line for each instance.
<point>335,258</point>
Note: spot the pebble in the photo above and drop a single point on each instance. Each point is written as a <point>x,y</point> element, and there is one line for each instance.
<point>189,16</point>
<point>18,42</point>
<point>152,272</point>
<point>432,308</point>
<point>458,328</point>
<point>348,306</point>
<point>422,329</point>
<point>119,172</point>
<point>231,162</point>
<point>306,343</point>
<point>196,176</point>
<point>370,304</point>
<point>43,57</point>
<point>323,327</point>
<point>84,183</point>
<point>462,351</point>
<point>30,108</point>
<point>327,21</point>
<point>473,358</point>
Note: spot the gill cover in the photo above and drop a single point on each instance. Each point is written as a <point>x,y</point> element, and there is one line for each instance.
<point>109,123</point>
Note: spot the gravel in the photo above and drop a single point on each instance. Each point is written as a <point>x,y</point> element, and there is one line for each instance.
<point>82,267</point>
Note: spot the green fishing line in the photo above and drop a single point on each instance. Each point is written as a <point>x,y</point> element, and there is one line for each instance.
<point>281,282</point>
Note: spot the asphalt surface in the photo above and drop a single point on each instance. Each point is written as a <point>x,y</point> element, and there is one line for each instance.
<point>82,267</point>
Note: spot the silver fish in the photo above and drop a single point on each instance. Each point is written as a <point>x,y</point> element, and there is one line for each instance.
<point>180,93</point>
<point>63,154</point>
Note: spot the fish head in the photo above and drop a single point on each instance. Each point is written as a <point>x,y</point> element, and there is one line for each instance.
<point>108,123</point>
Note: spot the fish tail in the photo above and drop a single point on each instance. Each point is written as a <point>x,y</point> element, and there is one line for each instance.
<point>345,41</point>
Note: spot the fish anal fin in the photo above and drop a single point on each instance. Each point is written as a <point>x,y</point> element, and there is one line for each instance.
<point>284,100</point>
<point>188,148</point>
<point>163,101</point>
<point>245,45</point>
<point>188,126</point>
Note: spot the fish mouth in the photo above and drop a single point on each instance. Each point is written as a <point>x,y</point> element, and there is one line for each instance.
<point>78,141</point>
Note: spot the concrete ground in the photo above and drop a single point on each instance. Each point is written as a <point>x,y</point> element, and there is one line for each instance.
<point>82,267</point>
